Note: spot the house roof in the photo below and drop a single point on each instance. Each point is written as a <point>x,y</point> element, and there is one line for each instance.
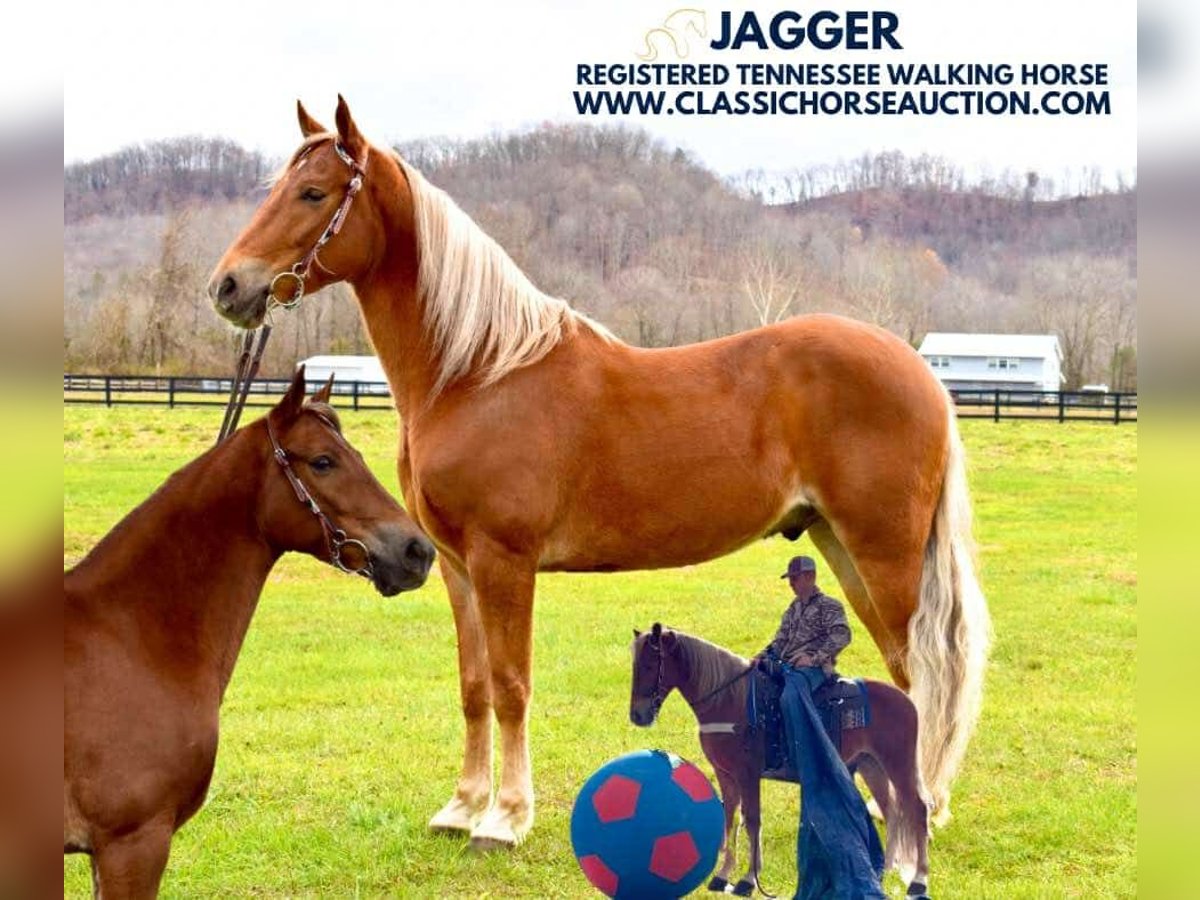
<point>340,360</point>
<point>1036,346</point>
<point>367,368</point>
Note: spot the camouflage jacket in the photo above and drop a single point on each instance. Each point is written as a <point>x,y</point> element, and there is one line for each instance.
<point>816,626</point>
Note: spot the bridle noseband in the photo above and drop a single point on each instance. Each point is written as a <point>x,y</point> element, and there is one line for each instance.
<point>335,538</point>
<point>300,271</point>
<point>660,694</point>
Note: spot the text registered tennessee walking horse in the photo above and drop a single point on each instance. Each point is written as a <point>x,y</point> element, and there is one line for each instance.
<point>715,684</point>
<point>533,440</point>
<point>155,615</point>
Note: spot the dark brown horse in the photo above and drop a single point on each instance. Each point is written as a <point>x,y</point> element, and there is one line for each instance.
<point>155,616</point>
<point>712,680</point>
<point>533,440</point>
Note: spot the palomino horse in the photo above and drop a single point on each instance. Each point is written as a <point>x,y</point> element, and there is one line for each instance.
<point>156,613</point>
<point>533,440</point>
<point>711,680</point>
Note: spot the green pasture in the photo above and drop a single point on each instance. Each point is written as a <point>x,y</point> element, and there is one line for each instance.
<point>341,733</point>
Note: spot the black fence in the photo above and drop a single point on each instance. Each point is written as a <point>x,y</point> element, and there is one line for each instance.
<point>181,390</point>
<point>191,390</point>
<point>1061,406</point>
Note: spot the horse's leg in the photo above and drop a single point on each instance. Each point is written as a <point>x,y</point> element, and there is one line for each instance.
<point>474,790</point>
<point>131,866</point>
<point>893,738</point>
<point>842,565</point>
<point>730,799</point>
<point>504,585</point>
<point>910,544</point>
<point>882,799</point>
<point>752,815</point>
<point>892,645</point>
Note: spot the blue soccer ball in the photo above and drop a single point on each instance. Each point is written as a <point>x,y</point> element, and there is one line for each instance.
<point>648,825</point>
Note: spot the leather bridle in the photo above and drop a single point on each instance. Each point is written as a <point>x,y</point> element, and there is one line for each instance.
<point>335,538</point>
<point>300,271</point>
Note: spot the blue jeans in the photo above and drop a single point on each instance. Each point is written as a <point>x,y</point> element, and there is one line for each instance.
<point>838,853</point>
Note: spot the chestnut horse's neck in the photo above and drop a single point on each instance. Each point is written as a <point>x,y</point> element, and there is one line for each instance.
<point>707,683</point>
<point>388,293</point>
<point>465,312</point>
<point>183,571</point>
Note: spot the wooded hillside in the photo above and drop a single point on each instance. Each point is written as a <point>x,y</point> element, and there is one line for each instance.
<point>637,234</point>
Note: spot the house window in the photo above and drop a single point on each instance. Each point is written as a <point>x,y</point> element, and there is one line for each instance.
<point>939,362</point>
<point>1005,362</point>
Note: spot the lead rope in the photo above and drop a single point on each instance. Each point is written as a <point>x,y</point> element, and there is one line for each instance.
<point>247,369</point>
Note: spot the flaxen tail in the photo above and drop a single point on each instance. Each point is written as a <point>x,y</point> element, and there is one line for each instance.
<point>948,636</point>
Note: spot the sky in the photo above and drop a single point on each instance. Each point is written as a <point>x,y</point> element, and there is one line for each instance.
<point>150,70</point>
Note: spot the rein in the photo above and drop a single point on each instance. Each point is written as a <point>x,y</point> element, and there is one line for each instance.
<point>247,366</point>
<point>335,538</point>
<point>728,684</point>
<point>659,695</point>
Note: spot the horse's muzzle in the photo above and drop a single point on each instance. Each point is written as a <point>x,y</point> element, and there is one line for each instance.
<point>400,562</point>
<point>240,294</point>
<point>642,717</point>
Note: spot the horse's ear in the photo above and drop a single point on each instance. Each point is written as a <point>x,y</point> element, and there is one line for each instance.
<point>670,640</point>
<point>636,634</point>
<point>293,400</point>
<point>323,392</point>
<point>308,125</point>
<point>348,134</point>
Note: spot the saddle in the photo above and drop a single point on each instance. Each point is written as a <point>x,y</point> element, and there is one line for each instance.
<point>841,702</point>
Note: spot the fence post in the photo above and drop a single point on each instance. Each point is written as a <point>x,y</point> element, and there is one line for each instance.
<point>171,391</point>
<point>354,393</point>
<point>996,408</point>
<point>1062,406</point>
<point>108,390</point>
<point>1117,409</point>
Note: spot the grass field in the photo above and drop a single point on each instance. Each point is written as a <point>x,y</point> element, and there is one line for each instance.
<point>341,733</point>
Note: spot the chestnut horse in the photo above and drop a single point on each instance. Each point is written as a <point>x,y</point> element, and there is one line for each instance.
<point>155,615</point>
<point>533,440</point>
<point>712,681</point>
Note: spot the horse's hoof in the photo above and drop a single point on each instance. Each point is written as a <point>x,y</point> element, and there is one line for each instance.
<point>457,818</point>
<point>744,888</point>
<point>499,830</point>
<point>917,891</point>
<point>718,885</point>
<point>480,844</point>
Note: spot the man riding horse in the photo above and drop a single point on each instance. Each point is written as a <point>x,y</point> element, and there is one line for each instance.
<point>838,851</point>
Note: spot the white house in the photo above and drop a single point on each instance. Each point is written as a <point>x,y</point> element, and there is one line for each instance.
<point>963,362</point>
<point>345,369</point>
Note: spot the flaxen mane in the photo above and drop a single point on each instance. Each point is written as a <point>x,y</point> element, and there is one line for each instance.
<point>709,666</point>
<point>484,315</point>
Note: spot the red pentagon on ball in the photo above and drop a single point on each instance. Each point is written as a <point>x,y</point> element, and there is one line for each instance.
<point>693,782</point>
<point>674,856</point>
<point>616,799</point>
<point>600,875</point>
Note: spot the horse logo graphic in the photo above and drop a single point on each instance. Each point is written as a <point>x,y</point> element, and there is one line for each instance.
<point>673,33</point>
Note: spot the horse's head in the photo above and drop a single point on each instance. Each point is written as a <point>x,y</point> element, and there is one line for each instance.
<point>322,222</point>
<point>356,525</point>
<point>656,672</point>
